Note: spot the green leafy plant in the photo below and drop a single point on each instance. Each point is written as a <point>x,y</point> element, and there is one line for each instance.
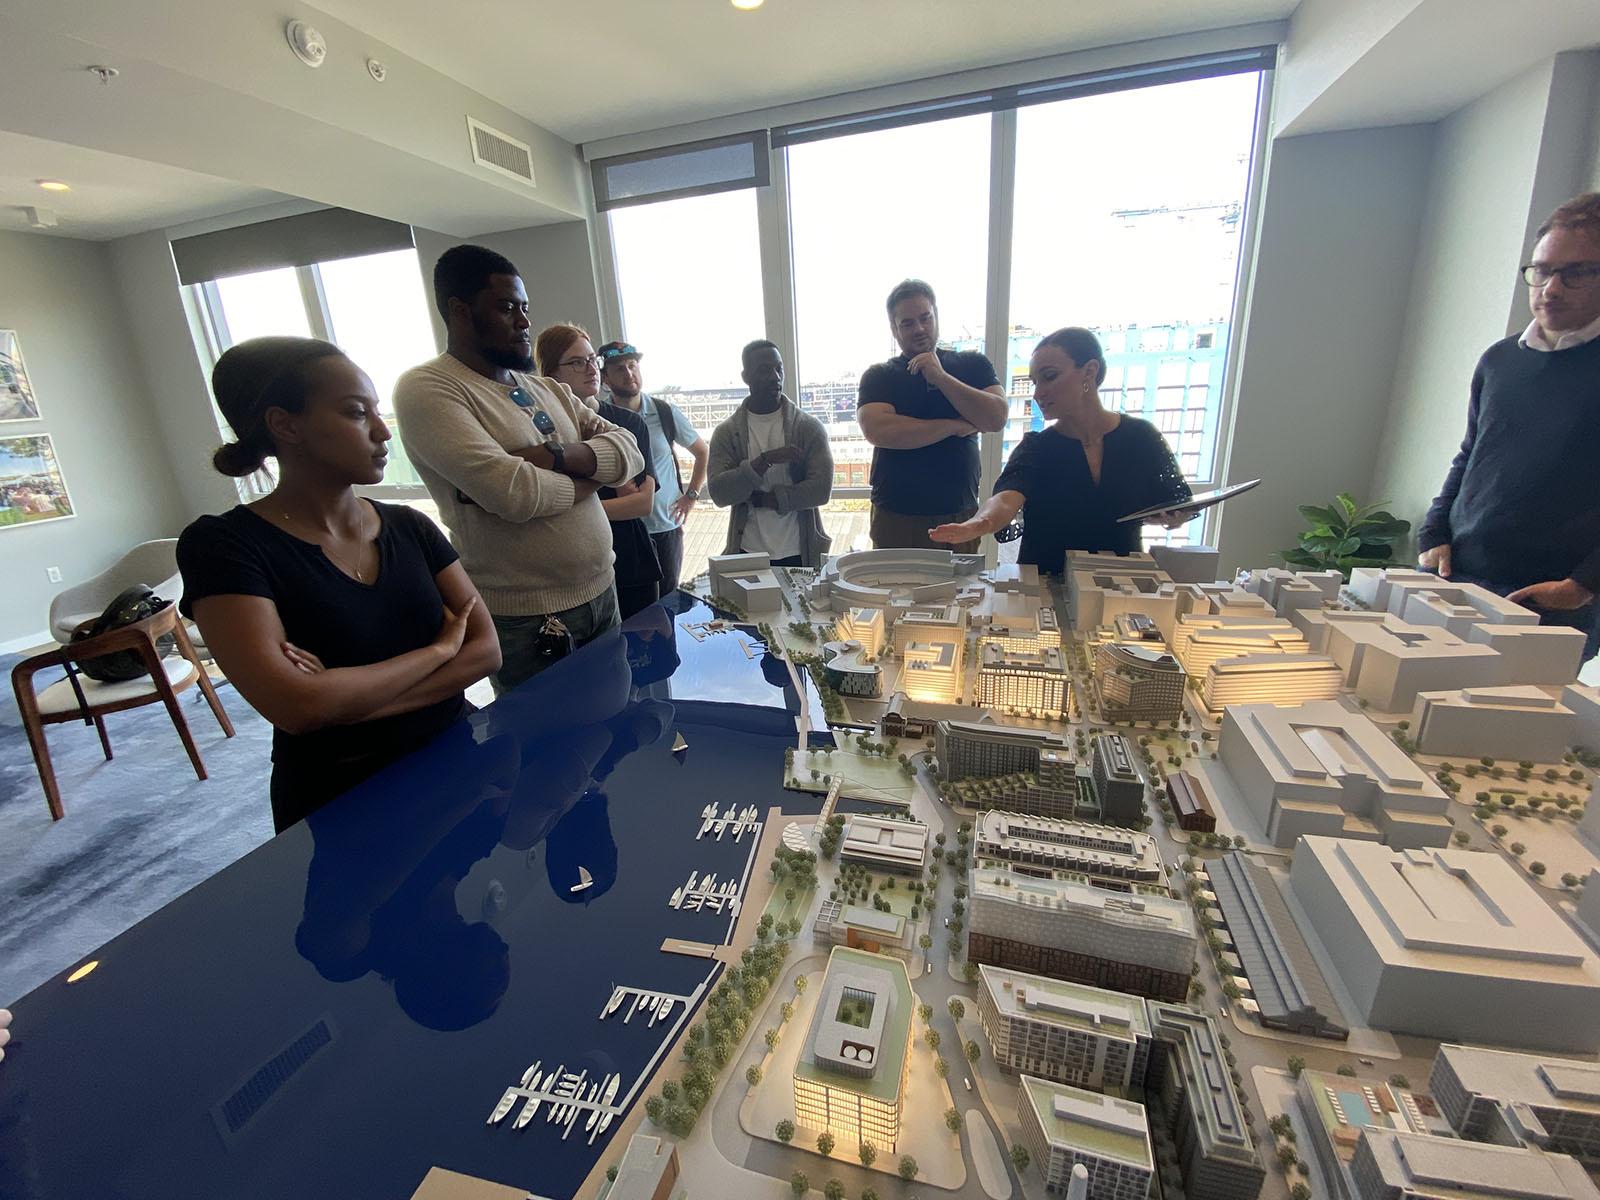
<point>1345,534</point>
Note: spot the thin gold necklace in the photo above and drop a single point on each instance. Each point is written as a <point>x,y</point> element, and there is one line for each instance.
<point>346,567</point>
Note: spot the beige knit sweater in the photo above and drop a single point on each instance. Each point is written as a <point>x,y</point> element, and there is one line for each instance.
<point>527,546</point>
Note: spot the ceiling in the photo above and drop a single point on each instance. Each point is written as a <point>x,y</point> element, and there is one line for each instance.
<point>629,65</point>
<point>112,196</point>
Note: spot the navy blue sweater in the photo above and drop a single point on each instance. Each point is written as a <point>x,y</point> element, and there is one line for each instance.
<point>1521,503</point>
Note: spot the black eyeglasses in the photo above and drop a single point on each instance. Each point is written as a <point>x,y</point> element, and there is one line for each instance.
<point>577,364</point>
<point>1576,276</point>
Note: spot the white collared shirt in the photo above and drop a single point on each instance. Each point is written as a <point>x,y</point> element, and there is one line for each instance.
<point>1534,338</point>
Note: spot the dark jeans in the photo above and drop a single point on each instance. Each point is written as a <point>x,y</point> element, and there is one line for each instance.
<point>636,597</point>
<point>899,531</point>
<point>669,553</point>
<point>1586,618</point>
<point>520,659</point>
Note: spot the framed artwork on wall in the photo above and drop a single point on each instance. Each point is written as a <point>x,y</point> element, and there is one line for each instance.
<point>17,401</point>
<point>32,488</point>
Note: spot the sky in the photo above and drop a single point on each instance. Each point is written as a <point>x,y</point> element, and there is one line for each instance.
<point>871,209</point>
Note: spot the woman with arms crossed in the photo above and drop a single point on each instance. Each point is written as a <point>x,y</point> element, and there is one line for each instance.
<point>349,625</point>
<point>1078,475</point>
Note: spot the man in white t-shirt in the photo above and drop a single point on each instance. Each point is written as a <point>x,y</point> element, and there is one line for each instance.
<point>771,467</point>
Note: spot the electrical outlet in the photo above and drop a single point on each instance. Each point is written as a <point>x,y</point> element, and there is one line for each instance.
<point>53,574</point>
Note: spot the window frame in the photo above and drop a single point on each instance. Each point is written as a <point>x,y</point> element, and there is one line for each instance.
<point>776,242</point>
<point>209,322</point>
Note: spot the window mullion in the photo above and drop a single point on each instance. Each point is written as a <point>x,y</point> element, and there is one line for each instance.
<point>997,305</point>
<point>316,302</point>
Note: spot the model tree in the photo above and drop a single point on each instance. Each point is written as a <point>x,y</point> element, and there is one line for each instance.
<point>784,1132</point>
<point>908,1168</point>
<point>824,1143</point>
<point>1020,1158</point>
<point>799,1184</point>
<point>752,1075</point>
<point>1296,1064</point>
<point>973,1051</point>
<point>867,1153</point>
<point>940,1067</point>
<point>957,1009</point>
<point>952,1119</point>
<point>833,1190</point>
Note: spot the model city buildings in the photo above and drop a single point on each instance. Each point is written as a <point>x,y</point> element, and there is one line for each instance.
<point>1026,680</point>
<point>850,1078</point>
<point>1064,1032</point>
<point>1519,1099</point>
<point>1068,928</point>
<point>1322,769</point>
<point>746,581</point>
<point>846,667</point>
<point>1502,722</point>
<point>1138,681</point>
<point>1117,781</point>
<point>971,749</point>
<point>1190,803</point>
<point>885,844</point>
<point>1111,858</point>
<point>648,1171</point>
<point>1448,944</point>
<point>1064,1126</point>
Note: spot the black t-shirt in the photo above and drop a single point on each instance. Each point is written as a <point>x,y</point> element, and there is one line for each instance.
<point>1066,510</point>
<point>343,622</point>
<point>937,479</point>
<point>636,553</point>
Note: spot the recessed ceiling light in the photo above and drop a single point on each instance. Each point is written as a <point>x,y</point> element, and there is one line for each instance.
<point>53,185</point>
<point>746,5</point>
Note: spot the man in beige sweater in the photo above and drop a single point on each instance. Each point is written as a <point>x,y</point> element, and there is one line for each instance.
<point>513,461</point>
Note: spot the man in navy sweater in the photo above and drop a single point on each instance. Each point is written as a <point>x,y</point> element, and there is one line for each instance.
<point>1520,509</point>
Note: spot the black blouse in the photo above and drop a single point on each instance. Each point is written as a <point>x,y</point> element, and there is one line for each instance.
<point>1064,509</point>
<point>344,622</point>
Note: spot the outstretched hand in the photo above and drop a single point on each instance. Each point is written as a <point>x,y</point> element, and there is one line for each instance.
<point>959,531</point>
<point>1555,595</point>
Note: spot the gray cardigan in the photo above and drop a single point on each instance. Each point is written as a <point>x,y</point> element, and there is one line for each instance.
<point>731,479</point>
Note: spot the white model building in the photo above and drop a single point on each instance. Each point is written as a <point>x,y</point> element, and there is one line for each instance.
<point>746,580</point>
<point>1584,701</point>
<point>1389,1165</point>
<point>883,844</point>
<point>1111,857</point>
<point>1186,564</point>
<point>1589,824</point>
<point>1036,680</point>
<point>1100,586</point>
<point>1067,928</point>
<point>1388,662</point>
<point>1033,629</point>
<point>1063,1126</point>
<point>1425,599</point>
<point>1502,722</point>
<point>1270,679</point>
<point>1064,1032</point>
<point>1523,1099</point>
<point>864,625</point>
<point>1548,654</point>
<point>1200,640</point>
<point>1322,769</point>
<point>1449,944</point>
<point>1290,590</point>
<point>893,579</point>
<point>851,1074</point>
<point>931,643</point>
<point>1222,600</point>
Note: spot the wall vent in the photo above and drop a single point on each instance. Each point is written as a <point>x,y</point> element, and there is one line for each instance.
<point>500,153</point>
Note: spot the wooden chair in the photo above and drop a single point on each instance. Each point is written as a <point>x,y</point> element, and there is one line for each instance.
<point>58,703</point>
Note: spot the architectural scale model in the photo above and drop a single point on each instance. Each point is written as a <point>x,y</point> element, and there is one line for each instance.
<point>1448,944</point>
<point>850,1079</point>
<point>1322,769</point>
<point>1146,837</point>
<point>648,1170</point>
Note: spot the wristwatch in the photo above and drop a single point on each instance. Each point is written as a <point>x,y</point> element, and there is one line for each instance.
<point>692,493</point>
<point>559,453</point>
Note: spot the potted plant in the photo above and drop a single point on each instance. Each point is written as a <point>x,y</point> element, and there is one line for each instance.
<point>1345,534</point>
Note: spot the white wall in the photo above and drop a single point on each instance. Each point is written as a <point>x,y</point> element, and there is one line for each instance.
<point>1339,224</point>
<point>81,357</point>
<point>1464,294</point>
<point>557,268</point>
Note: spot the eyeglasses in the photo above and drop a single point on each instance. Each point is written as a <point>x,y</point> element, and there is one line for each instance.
<point>577,364</point>
<point>1576,276</point>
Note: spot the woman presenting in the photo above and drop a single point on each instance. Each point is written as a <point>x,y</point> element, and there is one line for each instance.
<point>349,625</point>
<point>1082,472</point>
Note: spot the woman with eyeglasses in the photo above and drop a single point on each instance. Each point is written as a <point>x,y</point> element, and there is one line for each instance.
<point>565,354</point>
<point>350,625</point>
<point>1075,478</point>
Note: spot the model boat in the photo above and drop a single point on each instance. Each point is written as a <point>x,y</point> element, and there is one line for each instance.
<point>585,881</point>
<point>678,744</point>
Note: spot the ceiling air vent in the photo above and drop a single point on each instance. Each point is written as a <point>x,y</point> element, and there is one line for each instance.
<point>500,153</point>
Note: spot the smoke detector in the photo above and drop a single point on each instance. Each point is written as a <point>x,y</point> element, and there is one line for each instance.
<point>306,43</point>
<point>377,70</point>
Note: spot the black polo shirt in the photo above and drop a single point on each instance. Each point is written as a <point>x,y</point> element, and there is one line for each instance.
<point>937,479</point>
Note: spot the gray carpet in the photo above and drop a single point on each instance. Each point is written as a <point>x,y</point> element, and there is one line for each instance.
<point>139,830</point>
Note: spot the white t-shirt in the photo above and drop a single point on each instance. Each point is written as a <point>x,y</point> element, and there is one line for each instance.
<point>768,531</point>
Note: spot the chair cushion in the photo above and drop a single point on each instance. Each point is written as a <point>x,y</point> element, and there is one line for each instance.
<point>63,624</point>
<point>59,697</point>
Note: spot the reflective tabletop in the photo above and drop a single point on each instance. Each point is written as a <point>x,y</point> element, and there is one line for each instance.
<point>347,1005</point>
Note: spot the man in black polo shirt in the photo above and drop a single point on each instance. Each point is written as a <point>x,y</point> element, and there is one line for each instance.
<point>922,411</point>
<point>1520,509</point>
